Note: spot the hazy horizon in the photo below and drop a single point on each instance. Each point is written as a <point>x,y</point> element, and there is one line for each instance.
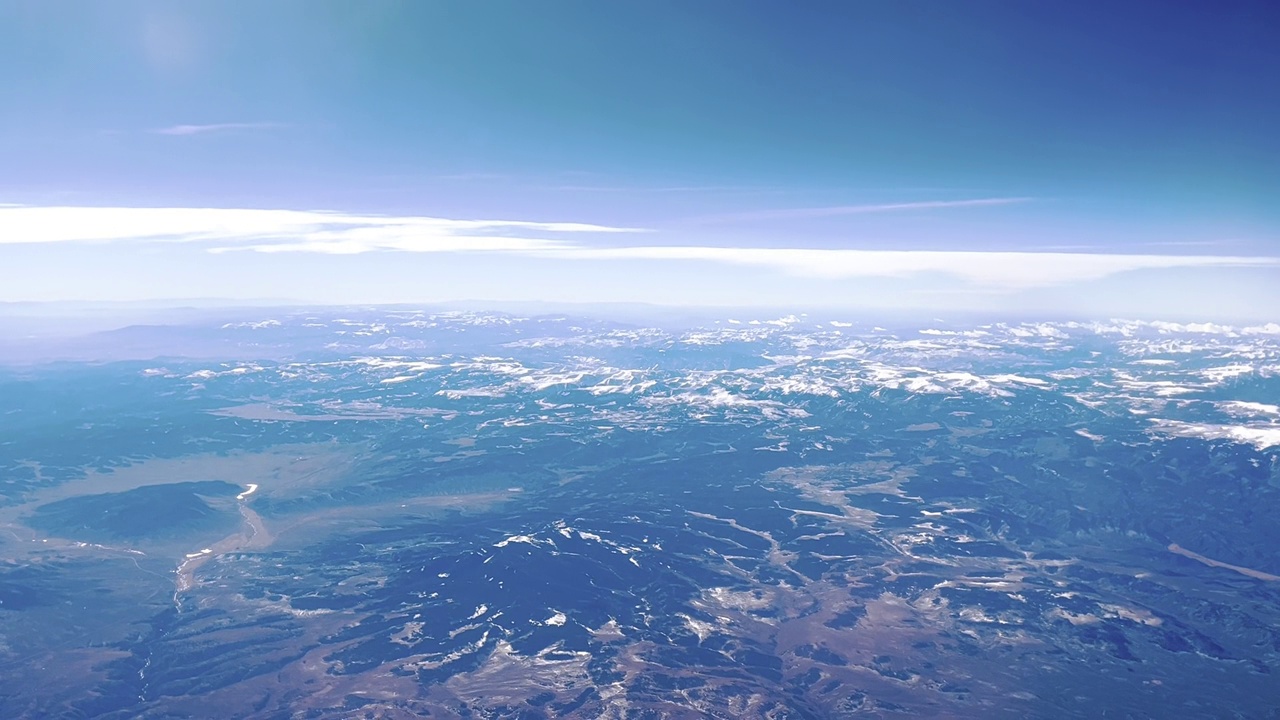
<point>975,157</point>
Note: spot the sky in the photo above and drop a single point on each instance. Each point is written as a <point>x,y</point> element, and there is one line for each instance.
<point>1088,159</point>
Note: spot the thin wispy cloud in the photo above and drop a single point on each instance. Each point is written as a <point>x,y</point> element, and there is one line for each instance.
<point>729,189</point>
<point>542,183</point>
<point>1146,244</point>
<point>475,176</point>
<point>1191,243</point>
<point>292,231</point>
<point>839,210</point>
<point>182,130</point>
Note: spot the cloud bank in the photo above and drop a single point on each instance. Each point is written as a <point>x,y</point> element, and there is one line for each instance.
<point>995,270</point>
<point>294,231</point>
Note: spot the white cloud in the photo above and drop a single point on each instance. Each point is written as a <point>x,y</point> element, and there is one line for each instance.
<point>214,128</point>
<point>279,230</point>
<point>276,231</point>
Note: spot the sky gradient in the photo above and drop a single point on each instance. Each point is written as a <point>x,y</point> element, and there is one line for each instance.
<point>1072,158</point>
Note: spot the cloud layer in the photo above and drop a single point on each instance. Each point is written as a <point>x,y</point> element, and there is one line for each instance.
<point>280,231</point>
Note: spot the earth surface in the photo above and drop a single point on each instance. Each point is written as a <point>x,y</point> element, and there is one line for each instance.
<point>393,513</point>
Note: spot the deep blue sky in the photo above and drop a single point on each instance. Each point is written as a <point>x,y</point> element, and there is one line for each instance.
<point>1138,127</point>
